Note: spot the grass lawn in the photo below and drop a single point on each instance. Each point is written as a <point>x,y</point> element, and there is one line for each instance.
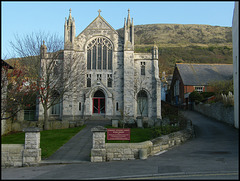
<point>51,140</point>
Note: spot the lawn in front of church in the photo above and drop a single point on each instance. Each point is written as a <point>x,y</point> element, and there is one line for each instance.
<point>51,140</point>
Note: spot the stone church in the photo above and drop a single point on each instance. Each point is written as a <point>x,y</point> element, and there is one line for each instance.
<point>118,81</point>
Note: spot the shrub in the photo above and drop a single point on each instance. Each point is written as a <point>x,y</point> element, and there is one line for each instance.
<point>164,130</point>
<point>222,87</point>
<point>196,97</point>
<point>227,100</point>
<point>207,94</point>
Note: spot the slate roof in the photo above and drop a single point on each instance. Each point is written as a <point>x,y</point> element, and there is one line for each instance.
<point>202,74</point>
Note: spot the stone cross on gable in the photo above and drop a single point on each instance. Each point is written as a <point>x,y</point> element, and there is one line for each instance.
<point>99,11</point>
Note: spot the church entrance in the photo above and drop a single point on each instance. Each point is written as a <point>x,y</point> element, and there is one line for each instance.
<point>99,103</point>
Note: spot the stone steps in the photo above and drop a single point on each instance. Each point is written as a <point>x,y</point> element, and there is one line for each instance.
<point>96,118</point>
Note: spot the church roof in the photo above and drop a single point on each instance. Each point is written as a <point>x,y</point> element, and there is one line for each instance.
<point>99,23</point>
<point>202,74</point>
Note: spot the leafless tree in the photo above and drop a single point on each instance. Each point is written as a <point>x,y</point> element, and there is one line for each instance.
<point>56,73</point>
<point>140,93</point>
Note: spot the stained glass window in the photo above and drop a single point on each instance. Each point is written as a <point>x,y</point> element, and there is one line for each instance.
<point>99,54</point>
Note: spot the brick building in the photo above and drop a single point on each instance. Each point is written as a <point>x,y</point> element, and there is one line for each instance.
<point>196,77</point>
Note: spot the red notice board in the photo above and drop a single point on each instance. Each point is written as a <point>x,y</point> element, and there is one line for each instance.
<point>118,134</point>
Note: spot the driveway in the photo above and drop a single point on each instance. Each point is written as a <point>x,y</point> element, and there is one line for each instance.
<point>212,154</point>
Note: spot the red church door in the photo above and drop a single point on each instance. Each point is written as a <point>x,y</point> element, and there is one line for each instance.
<point>99,103</point>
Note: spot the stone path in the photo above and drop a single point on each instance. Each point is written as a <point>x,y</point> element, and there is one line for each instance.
<point>78,148</point>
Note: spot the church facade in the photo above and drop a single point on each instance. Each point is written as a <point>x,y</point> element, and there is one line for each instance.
<point>118,82</point>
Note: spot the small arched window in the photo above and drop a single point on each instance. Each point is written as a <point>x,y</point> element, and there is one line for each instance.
<point>142,103</point>
<point>56,103</point>
<point>99,54</point>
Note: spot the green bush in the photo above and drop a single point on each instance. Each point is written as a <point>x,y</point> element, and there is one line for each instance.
<point>164,130</point>
<point>168,109</point>
<point>207,94</point>
<point>196,97</point>
<point>222,87</point>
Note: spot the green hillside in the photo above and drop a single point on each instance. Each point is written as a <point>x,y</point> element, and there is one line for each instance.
<point>184,43</point>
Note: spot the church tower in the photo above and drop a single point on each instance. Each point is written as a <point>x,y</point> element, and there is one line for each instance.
<point>128,63</point>
<point>69,32</point>
<point>156,84</point>
<point>128,33</point>
<point>43,50</point>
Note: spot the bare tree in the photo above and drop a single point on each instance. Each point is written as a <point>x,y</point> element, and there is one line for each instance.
<point>57,74</point>
<point>59,79</point>
<point>140,94</point>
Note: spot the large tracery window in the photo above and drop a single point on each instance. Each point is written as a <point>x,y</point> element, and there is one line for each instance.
<point>99,54</point>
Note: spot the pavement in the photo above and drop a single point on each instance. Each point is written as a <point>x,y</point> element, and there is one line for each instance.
<point>212,154</point>
<point>78,148</point>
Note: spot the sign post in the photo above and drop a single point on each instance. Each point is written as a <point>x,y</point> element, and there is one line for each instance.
<point>118,134</point>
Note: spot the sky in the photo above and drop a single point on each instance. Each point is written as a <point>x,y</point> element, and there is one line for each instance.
<point>26,17</point>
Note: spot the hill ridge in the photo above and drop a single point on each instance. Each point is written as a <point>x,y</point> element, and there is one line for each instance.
<point>184,43</point>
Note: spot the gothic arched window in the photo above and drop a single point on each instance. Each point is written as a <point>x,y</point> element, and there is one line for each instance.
<point>56,103</point>
<point>99,54</point>
<point>142,103</point>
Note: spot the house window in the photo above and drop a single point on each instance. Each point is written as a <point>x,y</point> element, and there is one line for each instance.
<point>99,54</point>
<point>142,103</point>
<point>99,77</point>
<point>143,68</point>
<point>94,57</point>
<point>88,80</point>
<point>56,68</point>
<point>109,80</point>
<point>56,109</point>
<point>110,60</point>
<point>116,106</point>
<point>199,88</point>
<point>176,88</point>
<point>56,103</point>
<point>80,106</point>
<point>89,59</point>
<point>104,57</point>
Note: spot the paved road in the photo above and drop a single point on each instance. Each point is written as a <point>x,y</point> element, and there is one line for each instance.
<point>213,154</point>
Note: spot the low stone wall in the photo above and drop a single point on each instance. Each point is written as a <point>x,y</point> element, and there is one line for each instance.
<point>64,124</point>
<point>102,151</point>
<point>126,151</point>
<point>28,154</point>
<point>217,111</point>
<point>8,126</point>
<point>167,141</point>
<point>12,155</point>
